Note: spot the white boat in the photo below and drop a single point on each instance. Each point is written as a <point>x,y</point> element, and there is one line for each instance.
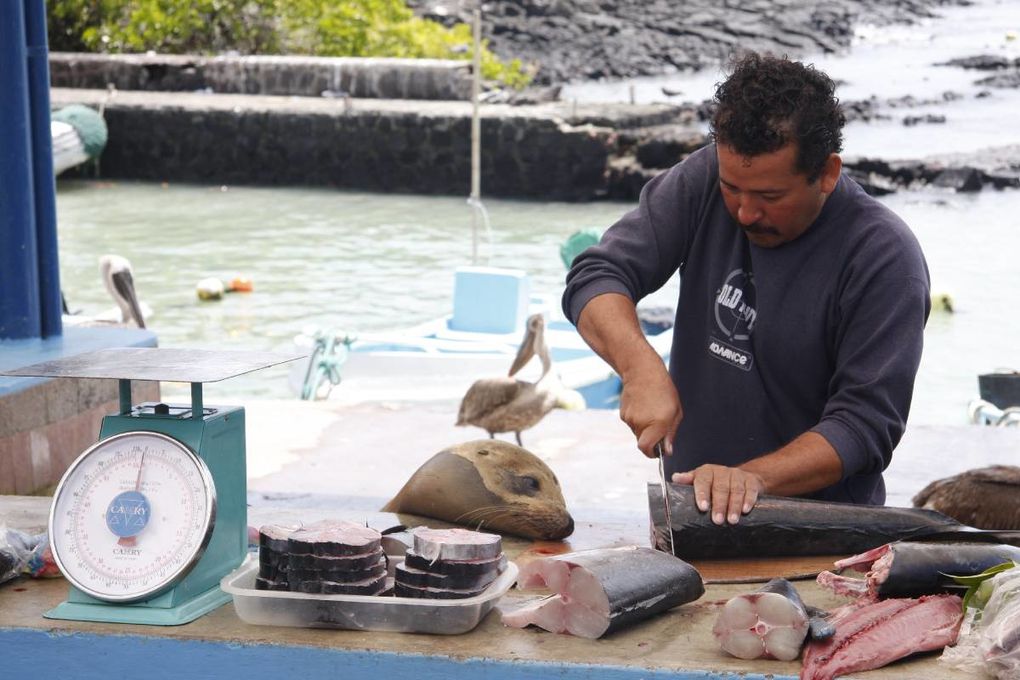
<point>439,359</point>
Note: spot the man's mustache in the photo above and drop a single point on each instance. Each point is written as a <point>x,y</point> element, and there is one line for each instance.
<point>758,228</point>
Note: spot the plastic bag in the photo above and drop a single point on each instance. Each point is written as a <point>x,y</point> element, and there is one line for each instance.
<point>25,553</point>
<point>989,641</point>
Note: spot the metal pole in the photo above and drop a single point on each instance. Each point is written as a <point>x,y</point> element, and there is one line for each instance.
<point>197,407</point>
<point>476,134</point>
<point>125,396</point>
<point>42,169</point>
<point>19,273</point>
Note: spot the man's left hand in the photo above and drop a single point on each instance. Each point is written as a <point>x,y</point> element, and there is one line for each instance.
<point>728,491</point>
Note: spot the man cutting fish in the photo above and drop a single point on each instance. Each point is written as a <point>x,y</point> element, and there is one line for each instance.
<point>801,310</point>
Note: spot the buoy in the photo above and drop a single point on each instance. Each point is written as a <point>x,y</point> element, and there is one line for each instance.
<point>210,289</point>
<point>240,284</point>
<point>78,134</point>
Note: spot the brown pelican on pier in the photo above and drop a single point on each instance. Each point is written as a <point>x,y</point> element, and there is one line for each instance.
<point>119,282</point>
<point>986,498</point>
<point>506,404</point>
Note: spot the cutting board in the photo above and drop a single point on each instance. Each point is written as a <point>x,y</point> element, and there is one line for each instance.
<point>762,569</point>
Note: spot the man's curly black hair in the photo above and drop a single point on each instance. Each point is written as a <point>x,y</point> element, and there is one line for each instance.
<point>769,101</point>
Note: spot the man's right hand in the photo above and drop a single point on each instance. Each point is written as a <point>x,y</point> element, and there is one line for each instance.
<point>649,403</point>
<point>650,406</point>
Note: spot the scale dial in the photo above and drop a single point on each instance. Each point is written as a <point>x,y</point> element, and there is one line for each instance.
<point>131,516</point>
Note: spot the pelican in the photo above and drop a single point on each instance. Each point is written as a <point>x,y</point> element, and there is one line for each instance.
<point>116,274</point>
<point>986,498</point>
<point>506,404</point>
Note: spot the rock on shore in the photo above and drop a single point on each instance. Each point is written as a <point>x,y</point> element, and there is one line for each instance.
<point>591,39</point>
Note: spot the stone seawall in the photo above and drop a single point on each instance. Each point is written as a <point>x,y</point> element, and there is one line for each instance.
<point>550,151</point>
<point>279,75</point>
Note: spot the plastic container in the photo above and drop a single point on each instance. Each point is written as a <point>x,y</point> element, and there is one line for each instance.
<point>360,612</point>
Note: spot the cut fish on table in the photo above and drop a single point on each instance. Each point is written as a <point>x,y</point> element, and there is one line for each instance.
<point>908,569</point>
<point>772,623</point>
<point>779,526</point>
<point>603,590</point>
<point>879,633</point>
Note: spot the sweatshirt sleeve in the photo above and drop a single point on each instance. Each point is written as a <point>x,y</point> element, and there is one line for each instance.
<point>878,338</point>
<point>639,253</point>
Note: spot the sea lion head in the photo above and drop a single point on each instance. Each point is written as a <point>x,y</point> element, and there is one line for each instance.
<point>488,484</point>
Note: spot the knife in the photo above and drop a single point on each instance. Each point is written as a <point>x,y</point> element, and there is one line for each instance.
<point>660,452</point>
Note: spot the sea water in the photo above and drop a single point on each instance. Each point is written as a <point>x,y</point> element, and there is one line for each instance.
<point>357,262</point>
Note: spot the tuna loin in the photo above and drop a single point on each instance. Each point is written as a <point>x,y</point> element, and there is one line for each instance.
<point>881,632</point>
<point>907,569</point>
<point>786,526</point>
<point>771,622</point>
<point>600,591</point>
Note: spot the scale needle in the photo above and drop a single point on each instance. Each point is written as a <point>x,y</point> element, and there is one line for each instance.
<point>141,462</point>
<point>130,541</point>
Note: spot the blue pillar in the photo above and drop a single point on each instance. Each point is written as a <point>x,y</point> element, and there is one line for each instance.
<point>42,163</point>
<point>29,270</point>
<point>19,264</point>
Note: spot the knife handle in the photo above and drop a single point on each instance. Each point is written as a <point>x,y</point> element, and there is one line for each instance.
<point>660,448</point>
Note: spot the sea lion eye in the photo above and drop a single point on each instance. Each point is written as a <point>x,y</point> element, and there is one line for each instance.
<point>526,485</point>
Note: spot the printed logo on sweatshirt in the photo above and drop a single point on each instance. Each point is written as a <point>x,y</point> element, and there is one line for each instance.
<point>731,355</point>
<point>735,315</point>
<point>734,306</point>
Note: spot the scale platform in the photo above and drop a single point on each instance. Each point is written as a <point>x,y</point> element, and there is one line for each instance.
<point>146,522</point>
<point>155,363</point>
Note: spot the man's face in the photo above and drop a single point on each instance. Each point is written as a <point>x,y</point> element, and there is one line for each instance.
<point>768,198</point>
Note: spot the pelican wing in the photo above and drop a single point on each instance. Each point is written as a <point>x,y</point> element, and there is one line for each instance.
<point>124,285</point>
<point>486,396</point>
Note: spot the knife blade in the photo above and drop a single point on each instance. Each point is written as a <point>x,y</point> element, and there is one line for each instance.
<point>660,452</point>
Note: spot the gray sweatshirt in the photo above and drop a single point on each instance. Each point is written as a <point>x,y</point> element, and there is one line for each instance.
<point>823,333</point>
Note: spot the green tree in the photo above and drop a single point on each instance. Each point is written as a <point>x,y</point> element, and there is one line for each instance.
<point>355,28</point>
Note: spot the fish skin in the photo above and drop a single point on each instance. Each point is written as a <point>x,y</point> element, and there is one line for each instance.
<point>779,526</point>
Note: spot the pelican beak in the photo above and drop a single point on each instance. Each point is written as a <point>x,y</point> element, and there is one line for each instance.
<point>526,351</point>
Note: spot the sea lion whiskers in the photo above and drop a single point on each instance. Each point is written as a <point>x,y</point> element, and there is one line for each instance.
<point>481,514</point>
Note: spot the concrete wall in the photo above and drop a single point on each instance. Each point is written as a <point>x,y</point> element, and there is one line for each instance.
<point>553,152</point>
<point>46,422</point>
<point>282,75</point>
<point>43,428</point>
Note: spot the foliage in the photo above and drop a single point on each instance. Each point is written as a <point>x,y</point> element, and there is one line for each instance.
<point>355,28</point>
<point>979,586</point>
<point>171,26</point>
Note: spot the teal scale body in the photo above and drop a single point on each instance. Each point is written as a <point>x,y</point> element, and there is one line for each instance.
<point>218,438</point>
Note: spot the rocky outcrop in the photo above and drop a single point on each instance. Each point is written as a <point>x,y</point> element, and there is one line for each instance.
<point>996,168</point>
<point>590,39</point>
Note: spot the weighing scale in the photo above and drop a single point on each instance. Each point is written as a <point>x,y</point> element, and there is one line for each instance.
<point>145,522</point>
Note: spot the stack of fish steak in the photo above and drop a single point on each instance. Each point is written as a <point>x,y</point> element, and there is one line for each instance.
<point>330,557</point>
<point>447,564</point>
